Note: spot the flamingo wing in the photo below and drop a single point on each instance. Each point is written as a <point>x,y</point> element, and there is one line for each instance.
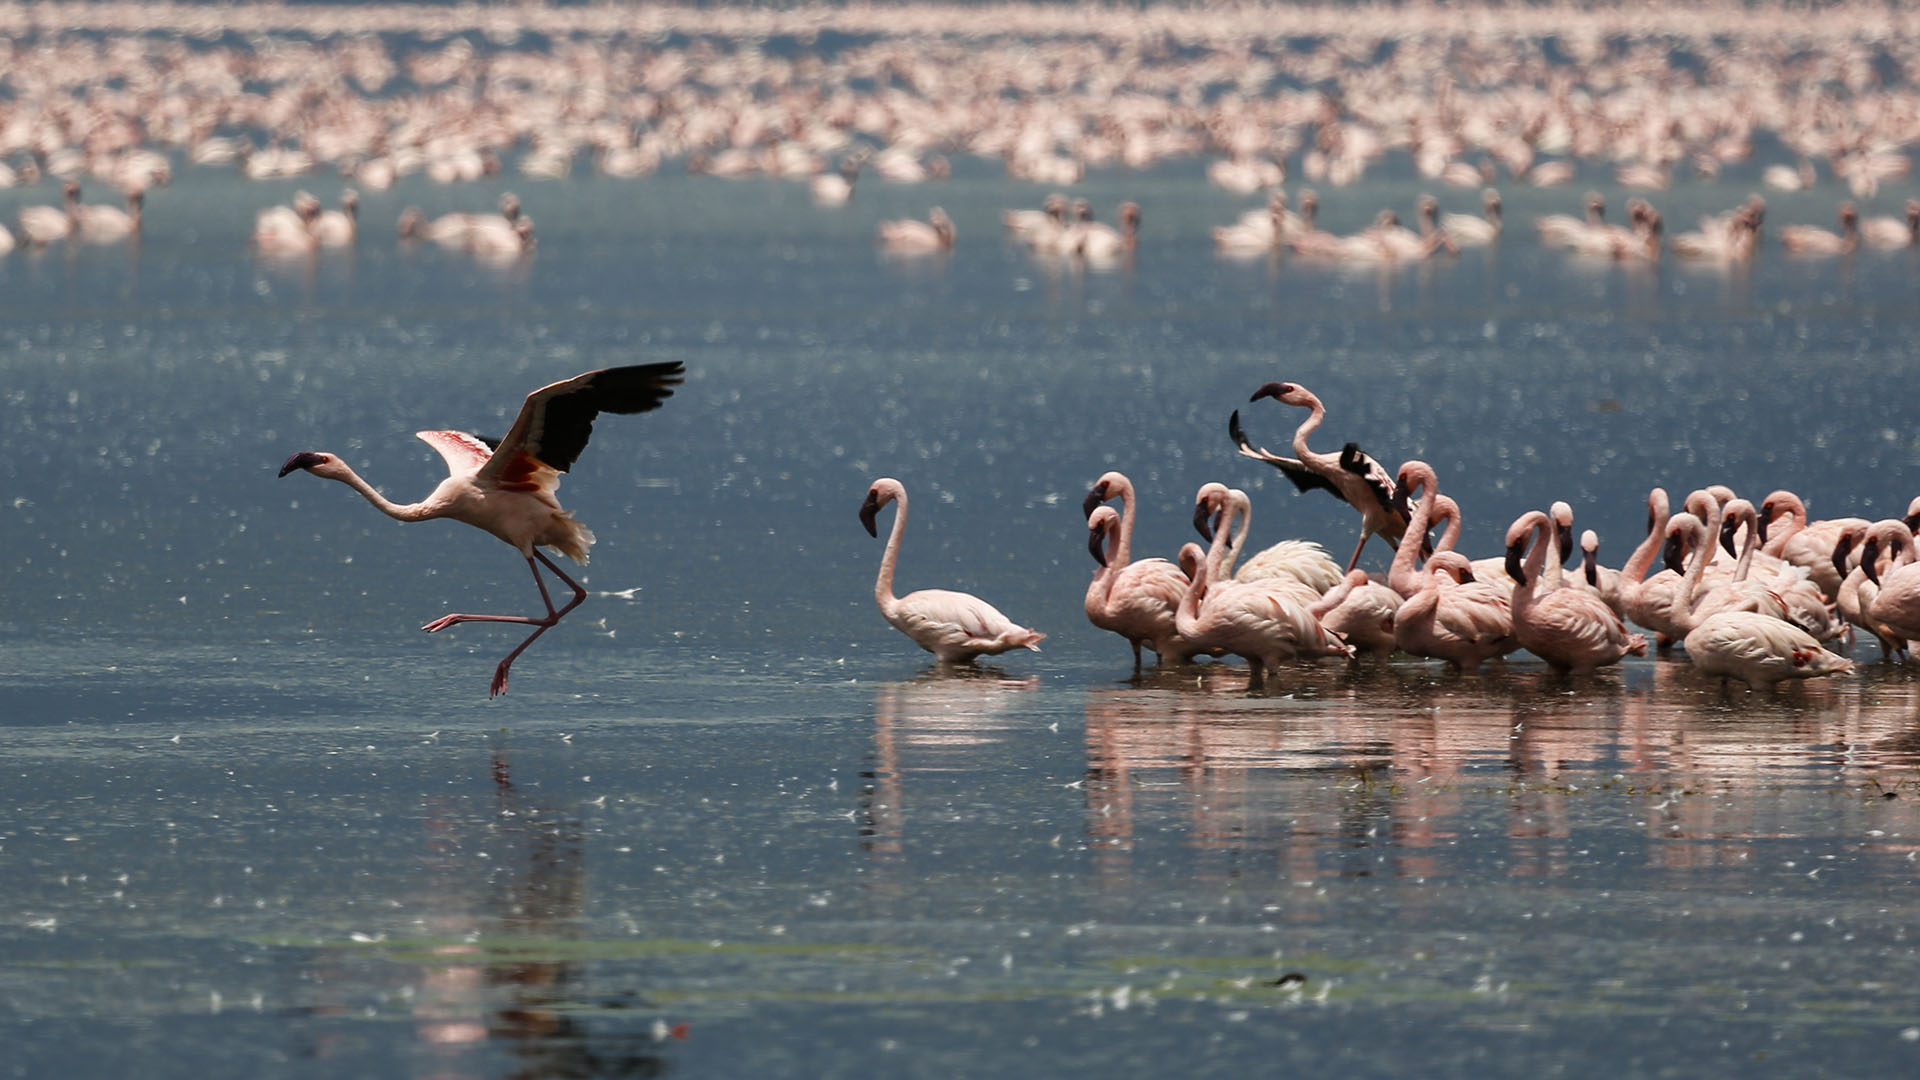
<point>556,420</point>
<point>464,453</point>
<point>1303,477</point>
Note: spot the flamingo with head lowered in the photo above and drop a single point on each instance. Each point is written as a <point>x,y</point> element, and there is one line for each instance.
<point>507,486</point>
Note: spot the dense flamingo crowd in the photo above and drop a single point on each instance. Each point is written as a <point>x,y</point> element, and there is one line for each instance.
<point>121,95</point>
<point>1756,594</point>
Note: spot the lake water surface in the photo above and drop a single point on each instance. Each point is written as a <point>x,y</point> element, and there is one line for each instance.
<point>727,822</point>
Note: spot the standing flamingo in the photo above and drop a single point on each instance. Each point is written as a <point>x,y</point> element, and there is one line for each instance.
<point>1896,605</point>
<point>1250,619</point>
<point>954,626</point>
<point>1857,591</point>
<point>1133,599</point>
<point>1804,543</point>
<point>507,487</point>
<point>1352,476</point>
<point>1571,629</point>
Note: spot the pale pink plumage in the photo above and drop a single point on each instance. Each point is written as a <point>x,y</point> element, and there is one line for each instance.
<point>1133,599</point>
<point>509,489</point>
<point>1571,629</point>
<point>1453,617</point>
<point>954,626</point>
<point>1361,611</point>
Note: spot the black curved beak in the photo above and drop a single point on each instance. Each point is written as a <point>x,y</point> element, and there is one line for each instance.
<point>1674,555</point>
<point>1911,521</point>
<point>1514,569</point>
<point>305,459</point>
<point>1272,390</point>
<point>1203,521</point>
<point>1563,536</point>
<point>870,514</point>
<point>1727,530</point>
<point>1093,500</point>
<point>1842,549</point>
<point>1466,575</point>
<point>1097,543</point>
<point>1590,562</point>
<point>1868,556</point>
<point>1766,518</point>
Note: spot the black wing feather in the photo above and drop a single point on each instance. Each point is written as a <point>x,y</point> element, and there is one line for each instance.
<point>1303,478</point>
<point>561,428</point>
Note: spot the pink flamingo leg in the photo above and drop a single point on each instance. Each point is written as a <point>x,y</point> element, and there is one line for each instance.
<point>1365,535</point>
<point>499,684</point>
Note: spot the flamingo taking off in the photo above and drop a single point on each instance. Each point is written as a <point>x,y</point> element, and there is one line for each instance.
<point>507,486</point>
<point>1352,476</point>
<point>954,626</point>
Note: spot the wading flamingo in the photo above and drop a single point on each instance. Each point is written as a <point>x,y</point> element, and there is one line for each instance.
<point>1453,617</point>
<point>1804,543</point>
<point>1352,476</point>
<point>1896,606</point>
<point>1857,591</point>
<point>954,626</point>
<point>1757,649</point>
<point>910,235</point>
<point>507,487</point>
<point>1571,629</point>
<point>1133,599</point>
<point>1250,619</point>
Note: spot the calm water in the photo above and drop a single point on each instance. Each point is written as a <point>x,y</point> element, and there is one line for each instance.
<point>727,822</point>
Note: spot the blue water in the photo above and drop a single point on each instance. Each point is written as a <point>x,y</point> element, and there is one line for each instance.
<point>730,823</point>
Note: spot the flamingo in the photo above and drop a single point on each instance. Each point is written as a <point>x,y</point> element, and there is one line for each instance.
<point>1028,225</point>
<point>288,229</point>
<point>954,626</point>
<point>508,487</point>
<point>1810,240</point>
<point>1290,566</point>
<point>909,235</point>
<point>1361,611</point>
<point>835,188</point>
<point>1467,230</point>
<point>1893,232</point>
<point>1571,629</point>
<point>1136,600</point>
<point>1133,599</point>
<point>337,228</point>
<point>1098,242</point>
<point>1802,542</point>
<point>1734,644</point>
<point>1352,476</point>
<point>1452,616</point>
<point>1896,606</point>
<point>99,224</point>
<point>1857,592</point>
<point>41,225</point>
<point>493,237</point>
<point>1250,619</point>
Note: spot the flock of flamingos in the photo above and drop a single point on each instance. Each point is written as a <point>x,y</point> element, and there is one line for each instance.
<point>1751,593</point>
<point>1762,612</point>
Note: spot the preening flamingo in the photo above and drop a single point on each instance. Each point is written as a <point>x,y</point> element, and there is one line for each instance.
<point>1571,629</point>
<point>1352,476</point>
<point>1737,644</point>
<point>1453,617</point>
<point>1133,599</point>
<point>508,487</point>
<point>954,626</point>
<point>1361,612</point>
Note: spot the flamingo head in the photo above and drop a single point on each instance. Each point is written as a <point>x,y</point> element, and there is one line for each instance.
<point>1849,213</point>
<point>316,463</point>
<point>411,219</point>
<point>877,497</point>
<point>1912,520</point>
<point>510,206</point>
<point>1562,516</point>
<point>1590,557</point>
<point>1208,505</point>
<point>1674,554</point>
<point>1843,547</point>
<point>1098,526</point>
<point>1286,393</point>
<point>1105,488</point>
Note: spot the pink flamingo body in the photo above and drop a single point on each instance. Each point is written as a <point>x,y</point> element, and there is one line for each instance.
<point>508,488</point>
<point>1133,599</point>
<point>1810,240</point>
<point>1892,232</point>
<point>1453,617</point>
<point>955,627</point>
<point>1896,604</point>
<point>1804,543</point>
<point>1571,629</point>
<point>1361,612</point>
<point>1352,476</point>
<point>1857,591</point>
<point>909,235</point>
<point>1735,643</point>
<point>1263,626</point>
<point>1136,600</point>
